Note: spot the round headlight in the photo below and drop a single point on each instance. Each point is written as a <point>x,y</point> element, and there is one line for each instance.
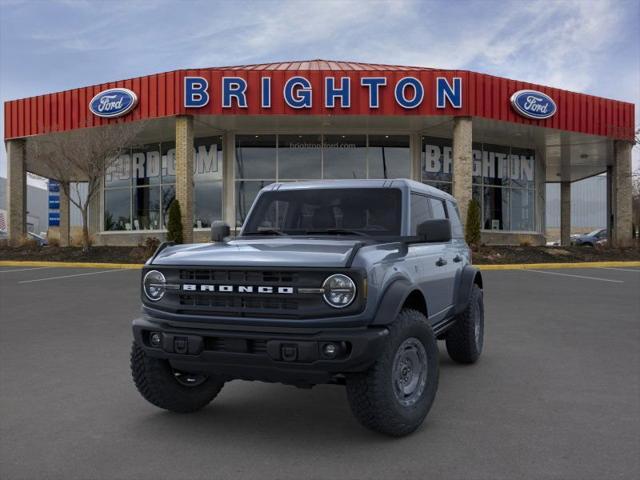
<point>339,290</point>
<point>153,285</point>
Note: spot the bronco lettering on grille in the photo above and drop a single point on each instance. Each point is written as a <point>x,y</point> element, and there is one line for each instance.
<point>192,287</point>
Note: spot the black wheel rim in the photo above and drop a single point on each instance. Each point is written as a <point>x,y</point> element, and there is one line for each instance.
<point>410,370</point>
<point>189,379</point>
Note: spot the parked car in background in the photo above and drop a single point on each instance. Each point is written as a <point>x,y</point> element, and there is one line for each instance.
<point>591,239</point>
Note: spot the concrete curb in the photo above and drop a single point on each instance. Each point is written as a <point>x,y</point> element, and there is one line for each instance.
<point>29,263</point>
<point>550,266</point>
<point>511,266</point>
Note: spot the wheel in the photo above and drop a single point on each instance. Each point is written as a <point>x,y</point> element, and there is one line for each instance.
<point>167,388</point>
<point>394,396</point>
<point>465,339</point>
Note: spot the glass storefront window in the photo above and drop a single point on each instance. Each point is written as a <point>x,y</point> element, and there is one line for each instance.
<point>246,193</point>
<point>256,156</point>
<point>521,210</point>
<point>146,208</point>
<point>168,162</point>
<point>208,203</point>
<point>503,181</point>
<point>496,208</point>
<point>299,156</point>
<point>389,156</point>
<point>118,174</point>
<point>522,167</point>
<point>150,172</point>
<point>168,194</point>
<point>145,165</point>
<point>436,160</point>
<point>117,209</point>
<point>207,159</point>
<point>345,156</point>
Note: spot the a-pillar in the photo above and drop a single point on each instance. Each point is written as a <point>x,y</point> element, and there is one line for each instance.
<point>65,215</point>
<point>184,173</point>
<point>462,164</point>
<point>16,191</point>
<point>621,186</point>
<point>565,213</point>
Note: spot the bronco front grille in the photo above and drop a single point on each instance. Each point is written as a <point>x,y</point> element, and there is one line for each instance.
<point>213,301</point>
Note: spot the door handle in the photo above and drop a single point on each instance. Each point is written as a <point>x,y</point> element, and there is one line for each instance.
<point>441,262</point>
<point>457,258</point>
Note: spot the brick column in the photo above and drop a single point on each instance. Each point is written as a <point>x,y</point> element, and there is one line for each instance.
<point>16,191</point>
<point>621,235</point>
<point>565,213</point>
<point>65,216</point>
<point>184,173</point>
<point>228,179</point>
<point>462,163</point>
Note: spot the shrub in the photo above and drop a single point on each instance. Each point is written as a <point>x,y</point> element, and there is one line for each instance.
<point>54,242</point>
<point>472,230</point>
<point>151,244</point>
<point>174,225</point>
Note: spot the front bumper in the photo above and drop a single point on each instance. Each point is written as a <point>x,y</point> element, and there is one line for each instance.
<point>289,355</point>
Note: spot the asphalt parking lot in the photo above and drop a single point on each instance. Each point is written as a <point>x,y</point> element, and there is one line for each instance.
<point>555,395</point>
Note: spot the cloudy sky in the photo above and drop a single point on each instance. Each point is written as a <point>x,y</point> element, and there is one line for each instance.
<point>583,45</point>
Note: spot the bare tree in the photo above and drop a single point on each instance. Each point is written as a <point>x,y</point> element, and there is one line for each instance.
<point>84,156</point>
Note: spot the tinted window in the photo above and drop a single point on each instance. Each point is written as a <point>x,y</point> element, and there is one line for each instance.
<point>420,211</point>
<point>437,208</point>
<point>375,212</point>
<point>454,217</point>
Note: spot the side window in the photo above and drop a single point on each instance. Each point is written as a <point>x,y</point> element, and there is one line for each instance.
<point>437,207</point>
<point>420,211</point>
<point>454,217</point>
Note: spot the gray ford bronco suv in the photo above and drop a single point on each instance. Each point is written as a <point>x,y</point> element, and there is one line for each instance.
<point>348,282</point>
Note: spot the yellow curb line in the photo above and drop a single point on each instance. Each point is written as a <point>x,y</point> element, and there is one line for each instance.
<point>28,263</point>
<point>526,266</point>
<point>511,266</point>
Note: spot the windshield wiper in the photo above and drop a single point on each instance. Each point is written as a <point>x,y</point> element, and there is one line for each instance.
<point>269,231</point>
<point>336,231</point>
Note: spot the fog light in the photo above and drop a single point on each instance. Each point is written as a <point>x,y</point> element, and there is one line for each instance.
<point>155,339</point>
<point>330,350</point>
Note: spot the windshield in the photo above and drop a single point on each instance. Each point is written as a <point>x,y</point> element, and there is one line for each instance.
<point>339,211</point>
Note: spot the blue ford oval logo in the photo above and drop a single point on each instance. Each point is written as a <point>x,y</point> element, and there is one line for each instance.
<point>114,102</point>
<point>533,104</point>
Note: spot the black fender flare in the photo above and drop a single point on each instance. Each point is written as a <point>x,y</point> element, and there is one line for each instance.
<point>470,275</point>
<point>392,300</point>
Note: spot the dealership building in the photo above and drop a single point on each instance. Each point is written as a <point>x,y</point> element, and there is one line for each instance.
<point>212,138</point>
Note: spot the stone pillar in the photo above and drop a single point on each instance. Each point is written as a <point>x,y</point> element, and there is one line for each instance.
<point>462,163</point>
<point>621,183</point>
<point>184,173</point>
<point>565,213</point>
<point>65,216</point>
<point>228,179</point>
<point>416,157</point>
<point>16,191</point>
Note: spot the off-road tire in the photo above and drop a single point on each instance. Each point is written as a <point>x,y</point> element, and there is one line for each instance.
<point>461,341</point>
<point>371,394</point>
<point>156,382</point>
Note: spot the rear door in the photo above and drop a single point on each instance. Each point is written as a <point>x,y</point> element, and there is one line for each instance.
<point>429,263</point>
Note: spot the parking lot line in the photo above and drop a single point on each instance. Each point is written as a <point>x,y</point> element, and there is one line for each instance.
<point>69,276</point>
<point>23,269</point>
<point>576,276</point>
<point>637,270</point>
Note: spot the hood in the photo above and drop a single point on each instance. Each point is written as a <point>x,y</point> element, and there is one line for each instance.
<point>261,252</point>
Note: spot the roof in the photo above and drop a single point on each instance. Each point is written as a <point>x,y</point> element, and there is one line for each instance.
<point>163,95</point>
<point>320,64</point>
<point>402,183</point>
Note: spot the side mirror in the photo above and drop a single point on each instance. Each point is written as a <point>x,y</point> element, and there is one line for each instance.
<point>434,230</point>
<point>219,231</point>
